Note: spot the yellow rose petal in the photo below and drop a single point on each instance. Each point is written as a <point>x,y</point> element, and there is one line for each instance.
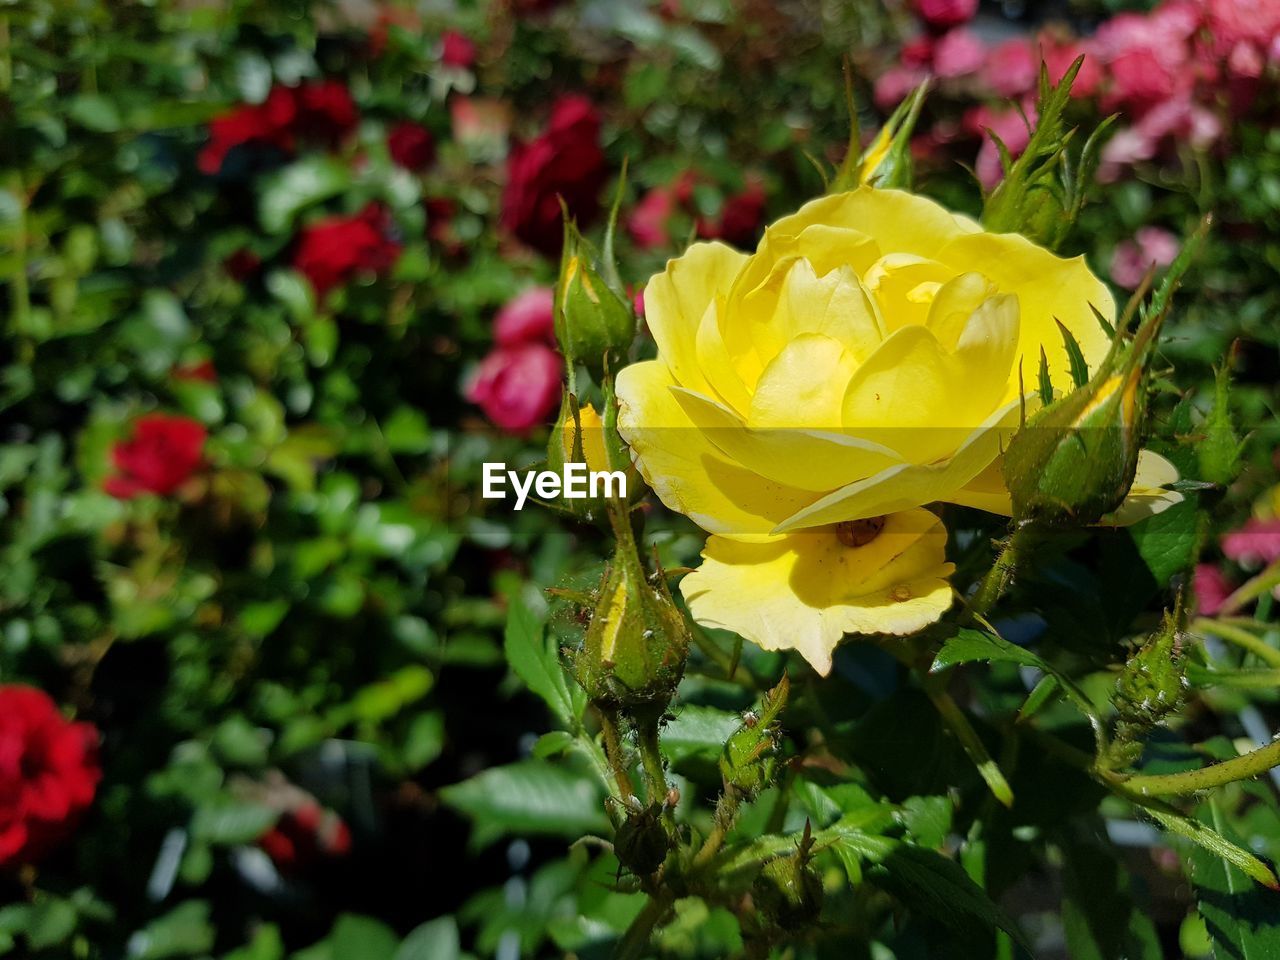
<point>688,473</point>
<point>806,591</point>
<point>1147,496</point>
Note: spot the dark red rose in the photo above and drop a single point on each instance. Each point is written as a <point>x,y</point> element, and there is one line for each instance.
<point>242,264</point>
<point>262,125</point>
<point>740,219</point>
<point>440,211</point>
<point>565,161</point>
<point>48,774</point>
<point>528,317</point>
<point>319,111</point>
<point>517,387</point>
<point>411,145</point>
<point>162,453</point>
<point>304,835</point>
<point>457,50</point>
<point>333,250</point>
<point>202,370</point>
<point>325,112</point>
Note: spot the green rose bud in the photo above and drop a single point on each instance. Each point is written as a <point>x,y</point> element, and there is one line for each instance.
<point>787,891</point>
<point>637,642</point>
<point>1219,451</point>
<point>1074,460</point>
<point>594,323</point>
<point>1153,682</point>
<point>749,761</point>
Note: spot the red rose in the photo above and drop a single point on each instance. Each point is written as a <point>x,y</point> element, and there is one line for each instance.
<point>565,161</point>
<point>333,250</point>
<point>267,124</point>
<point>517,387</point>
<point>201,370</point>
<point>411,146</point>
<point>319,111</point>
<point>242,264</point>
<point>529,317</point>
<point>325,112</point>
<point>48,774</point>
<point>163,452</point>
<point>456,50</point>
<point>304,835</point>
<point>942,14</point>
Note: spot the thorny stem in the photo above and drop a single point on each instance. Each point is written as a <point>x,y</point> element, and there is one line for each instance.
<point>1252,764</point>
<point>953,716</point>
<point>651,759</point>
<point>613,750</point>
<point>726,813</point>
<point>998,578</point>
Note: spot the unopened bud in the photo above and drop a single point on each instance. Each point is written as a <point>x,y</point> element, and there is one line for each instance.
<point>749,761</point>
<point>594,324</point>
<point>642,842</point>
<point>787,891</point>
<point>1153,682</point>
<point>1074,460</point>
<point>1219,452</point>
<point>637,643</point>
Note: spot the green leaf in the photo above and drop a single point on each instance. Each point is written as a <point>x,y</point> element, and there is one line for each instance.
<point>231,822</point>
<point>266,944</point>
<point>51,921</point>
<point>927,819</point>
<point>354,938</point>
<point>1099,916</point>
<point>938,888</point>
<point>1167,541</point>
<point>1079,368</point>
<point>698,731</point>
<point>970,645</point>
<point>434,940</point>
<point>529,797</point>
<point>536,661</point>
<point>288,192</point>
<point>185,931</point>
<point>1241,916</point>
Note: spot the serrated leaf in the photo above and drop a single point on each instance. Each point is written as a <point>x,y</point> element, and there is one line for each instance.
<point>529,797</point>
<point>536,661</point>
<point>1241,917</point>
<point>698,731</point>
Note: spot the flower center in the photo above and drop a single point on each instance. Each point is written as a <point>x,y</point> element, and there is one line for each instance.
<point>858,533</point>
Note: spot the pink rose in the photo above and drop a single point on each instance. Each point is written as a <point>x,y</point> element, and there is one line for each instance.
<point>1254,545</point>
<point>1012,68</point>
<point>941,14</point>
<point>528,318</point>
<point>517,387</point>
<point>456,50</point>
<point>958,53</point>
<point>1150,247</point>
<point>1211,588</point>
<point>1010,126</point>
<point>893,86</point>
<point>1059,53</point>
<point>648,221</point>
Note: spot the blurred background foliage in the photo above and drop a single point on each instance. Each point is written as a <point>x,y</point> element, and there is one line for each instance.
<point>290,656</point>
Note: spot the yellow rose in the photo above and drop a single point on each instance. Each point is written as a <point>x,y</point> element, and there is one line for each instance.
<point>865,360</point>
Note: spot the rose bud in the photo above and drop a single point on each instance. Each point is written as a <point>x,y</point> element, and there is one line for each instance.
<point>787,891</point>
<point>750,758</point>
<point>594,324</point>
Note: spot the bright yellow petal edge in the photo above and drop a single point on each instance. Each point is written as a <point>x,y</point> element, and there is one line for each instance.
<point>808,590</point>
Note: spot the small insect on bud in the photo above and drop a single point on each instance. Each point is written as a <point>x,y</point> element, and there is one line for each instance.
<point>750,757</point>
